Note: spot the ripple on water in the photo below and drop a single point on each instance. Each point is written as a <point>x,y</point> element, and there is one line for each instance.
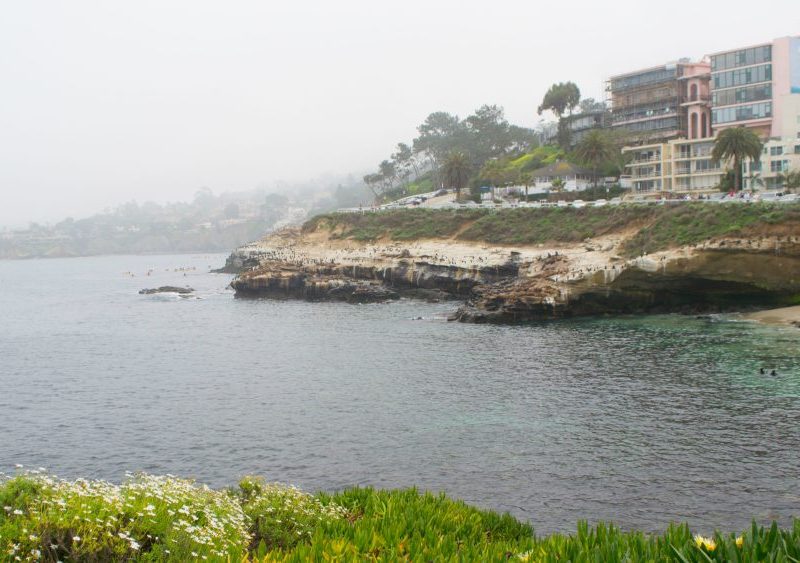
<point>637,420</point>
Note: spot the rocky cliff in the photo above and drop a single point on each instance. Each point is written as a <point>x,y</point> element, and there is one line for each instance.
<point>522,282</point>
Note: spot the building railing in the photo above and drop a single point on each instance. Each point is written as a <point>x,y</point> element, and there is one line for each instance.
<point>644,160</point>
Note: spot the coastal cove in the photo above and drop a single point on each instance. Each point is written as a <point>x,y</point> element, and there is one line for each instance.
<point>635,420</point>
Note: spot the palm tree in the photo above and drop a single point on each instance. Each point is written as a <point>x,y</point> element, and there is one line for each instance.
<point>527,179</point>
<point>737,143</point>
<point>594,150</point>
<point>754,179</point>
<point>455,171</point>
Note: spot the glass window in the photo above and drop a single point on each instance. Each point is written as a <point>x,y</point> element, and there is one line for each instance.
<point>743,76</point>
<point>741,113</point>
<point>775,151</point>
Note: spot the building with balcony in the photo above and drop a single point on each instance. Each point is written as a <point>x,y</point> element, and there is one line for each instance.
<point>662,103</point>
<point>677,166</point>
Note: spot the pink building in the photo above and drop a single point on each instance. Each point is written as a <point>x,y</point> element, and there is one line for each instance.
<point>697,99</point>
<point>756,87</point>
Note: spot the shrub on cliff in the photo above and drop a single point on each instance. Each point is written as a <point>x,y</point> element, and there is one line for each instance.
<point>146,518</point>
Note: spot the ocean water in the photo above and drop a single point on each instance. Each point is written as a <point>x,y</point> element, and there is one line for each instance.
<point>641,421</point>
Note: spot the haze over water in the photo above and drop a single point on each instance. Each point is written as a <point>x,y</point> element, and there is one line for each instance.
<point>637,420</point>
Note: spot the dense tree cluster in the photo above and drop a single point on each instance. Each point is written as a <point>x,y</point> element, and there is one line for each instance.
<point>484,135</point>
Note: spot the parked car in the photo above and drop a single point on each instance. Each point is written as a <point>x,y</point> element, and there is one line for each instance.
<point>578,203</point>
<point>615,201</point>
<point>600,203</point>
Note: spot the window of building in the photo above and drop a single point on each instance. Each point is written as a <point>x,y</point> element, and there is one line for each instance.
<point>797,149</point>
<point>742,95</point>
<point>743,76</point>
<point>743,57</point>
<point>779,166</point>
<point>741,113</point>
<point>775,151</point>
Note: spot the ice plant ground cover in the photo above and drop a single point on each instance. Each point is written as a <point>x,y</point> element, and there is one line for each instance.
<point>152,518</point>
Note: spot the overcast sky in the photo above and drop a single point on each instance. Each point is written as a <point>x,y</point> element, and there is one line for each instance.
<point>103,102</point>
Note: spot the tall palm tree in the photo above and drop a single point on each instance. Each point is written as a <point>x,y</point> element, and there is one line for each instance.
<point>595,150</point>
<point>527,179</point>
<point>455,171</point>
<point>737,143</point>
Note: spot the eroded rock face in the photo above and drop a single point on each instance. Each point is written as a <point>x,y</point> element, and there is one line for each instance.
<point>498,286</point>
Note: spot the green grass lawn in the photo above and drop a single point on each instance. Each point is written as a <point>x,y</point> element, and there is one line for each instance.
<point>657,227</point>
<point>150,518</point>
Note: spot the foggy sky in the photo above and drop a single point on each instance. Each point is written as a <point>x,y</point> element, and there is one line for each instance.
<point>103,102</point>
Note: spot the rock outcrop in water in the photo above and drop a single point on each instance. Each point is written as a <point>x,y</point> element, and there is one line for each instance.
<point>167,289</point>
<point>524,283</point>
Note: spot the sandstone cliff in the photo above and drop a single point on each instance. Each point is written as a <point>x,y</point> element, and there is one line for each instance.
<point>756,267</point>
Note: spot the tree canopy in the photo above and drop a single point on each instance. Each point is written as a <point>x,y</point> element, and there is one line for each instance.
<point>560,98</point>
<point>737,144</point>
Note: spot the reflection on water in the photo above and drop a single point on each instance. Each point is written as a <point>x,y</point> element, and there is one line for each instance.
<point>637,420</point>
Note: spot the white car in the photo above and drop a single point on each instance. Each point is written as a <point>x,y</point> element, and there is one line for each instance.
<point>578,203</point>
<point>600,203</point>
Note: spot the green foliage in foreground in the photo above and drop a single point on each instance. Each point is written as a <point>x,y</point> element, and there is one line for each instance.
<point>150,518</point>
<point>657,227</point>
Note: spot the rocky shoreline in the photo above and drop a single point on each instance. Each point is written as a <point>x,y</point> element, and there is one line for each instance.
<point>514,284</point>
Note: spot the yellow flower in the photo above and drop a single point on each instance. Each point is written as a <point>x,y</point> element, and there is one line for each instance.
<point>739,541</point>
<point>703,542</point>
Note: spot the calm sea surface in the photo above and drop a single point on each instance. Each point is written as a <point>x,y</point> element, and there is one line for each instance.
<point>637,420</point>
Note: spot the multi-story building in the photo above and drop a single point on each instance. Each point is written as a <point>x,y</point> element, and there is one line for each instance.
<point>756,87</point>
<point>580,124</point>
<point>671,136</point>
<point>759,87</point>
<point>656,104</point>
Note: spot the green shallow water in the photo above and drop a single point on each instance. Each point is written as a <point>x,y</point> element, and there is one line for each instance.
<point>639,420</point>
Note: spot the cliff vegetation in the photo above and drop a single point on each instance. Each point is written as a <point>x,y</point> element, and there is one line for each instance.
<point>648,228</point>
<point>151,518</point>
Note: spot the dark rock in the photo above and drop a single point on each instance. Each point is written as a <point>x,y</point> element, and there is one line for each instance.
<point>166,289</point>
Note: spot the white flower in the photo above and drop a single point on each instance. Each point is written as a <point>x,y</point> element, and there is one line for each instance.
<point>76,538</point>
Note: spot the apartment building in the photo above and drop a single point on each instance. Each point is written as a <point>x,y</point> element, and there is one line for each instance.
<point>759,87</point>
<point>756,87</point>
<point>672,143</point>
